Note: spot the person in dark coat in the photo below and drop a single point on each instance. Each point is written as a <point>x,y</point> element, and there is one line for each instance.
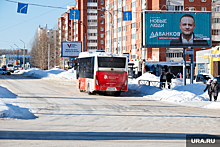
<point>208,86</point>
<point>169,76</point>
<point>163,79</point>
<point>215,89</point>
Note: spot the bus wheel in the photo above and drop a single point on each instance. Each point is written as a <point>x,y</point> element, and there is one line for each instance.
<point>80,90</point>
<point>117,93</point>
<point>89,93</point>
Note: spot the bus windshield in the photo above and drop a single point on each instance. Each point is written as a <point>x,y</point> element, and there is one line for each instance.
<point>111,62</point>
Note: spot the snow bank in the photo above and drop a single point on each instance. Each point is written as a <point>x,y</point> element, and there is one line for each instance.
<point>55,72</point>
<point>179,94</point>
<point>11,110</point>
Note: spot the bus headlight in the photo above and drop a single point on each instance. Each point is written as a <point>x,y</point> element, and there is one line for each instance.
<point>126,82</point>
<point>97,82</point>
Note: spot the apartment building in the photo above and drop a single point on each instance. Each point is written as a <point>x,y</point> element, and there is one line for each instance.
<point>215,23</point>
<point>89,28</point>
<point>126,35</point>
<point>52,36</point>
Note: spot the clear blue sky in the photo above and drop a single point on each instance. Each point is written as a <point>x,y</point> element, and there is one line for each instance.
<point>15,26</point>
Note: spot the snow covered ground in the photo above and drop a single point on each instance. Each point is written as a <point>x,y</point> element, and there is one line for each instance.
<point>189,95</point>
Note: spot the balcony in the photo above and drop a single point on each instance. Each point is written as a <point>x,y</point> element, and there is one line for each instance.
<point>91,37</point>
<point>92,4</point>
<point>91,44</point>
<point>92,31</point>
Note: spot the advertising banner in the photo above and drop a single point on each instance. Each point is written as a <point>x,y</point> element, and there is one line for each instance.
<point>171,29</point>
<point>71,49</point>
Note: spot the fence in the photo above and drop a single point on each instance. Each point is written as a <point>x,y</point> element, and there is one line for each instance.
<point>158,84</point>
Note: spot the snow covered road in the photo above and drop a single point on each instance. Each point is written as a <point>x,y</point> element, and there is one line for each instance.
<point>62,116</point>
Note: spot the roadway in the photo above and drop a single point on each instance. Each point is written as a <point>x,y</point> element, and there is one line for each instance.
<point>63,116</point>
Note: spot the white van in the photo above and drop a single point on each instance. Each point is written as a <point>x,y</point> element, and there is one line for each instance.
<point>10,67</point>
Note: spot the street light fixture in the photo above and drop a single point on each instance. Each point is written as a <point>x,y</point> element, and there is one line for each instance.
<point>23,54</point>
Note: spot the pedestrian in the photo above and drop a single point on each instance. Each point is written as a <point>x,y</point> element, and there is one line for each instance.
<point>178,75</point>
<point>208,86</point>
<point>169,76</point>
<point>181,76</point>
<point>163,79</point>
<point>215,89</point>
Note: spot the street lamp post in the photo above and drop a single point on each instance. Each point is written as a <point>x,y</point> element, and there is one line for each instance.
<point>17,54</point>
<point>84,35</point>
<point>111,28</point>
<point>23,54</point>
<point>13,52</point>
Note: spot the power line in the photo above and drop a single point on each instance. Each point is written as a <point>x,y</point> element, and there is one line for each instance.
<point>29,19</point>
<point>38,5</point>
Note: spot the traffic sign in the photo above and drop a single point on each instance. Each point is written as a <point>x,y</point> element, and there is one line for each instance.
<point>189,52</point>
<point>22,8</point>
<point>127,16</point>
<point>74,14</point>
<point>127,54</point>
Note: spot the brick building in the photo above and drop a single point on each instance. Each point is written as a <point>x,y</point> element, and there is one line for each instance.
<point>126,34</point>
<point>91,22</point>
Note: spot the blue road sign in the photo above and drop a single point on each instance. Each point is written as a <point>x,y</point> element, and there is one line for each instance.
<point>127,54</point>
<point>22,8</point>
<point>127,16</point>
<point>74,14</point>
<point>189,52</point>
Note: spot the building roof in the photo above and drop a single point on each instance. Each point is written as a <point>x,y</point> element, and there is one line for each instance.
<point>20,56</point>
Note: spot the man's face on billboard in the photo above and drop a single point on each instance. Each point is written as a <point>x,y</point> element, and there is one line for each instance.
<point>187,26</point>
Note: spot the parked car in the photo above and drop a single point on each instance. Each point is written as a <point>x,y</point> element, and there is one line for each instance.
<point>203,77</point>
<point>10,67</point>
<point>4,72</point>
<point>4,67</point>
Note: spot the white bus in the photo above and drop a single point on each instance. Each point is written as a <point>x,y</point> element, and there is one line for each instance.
<point>100,71</point>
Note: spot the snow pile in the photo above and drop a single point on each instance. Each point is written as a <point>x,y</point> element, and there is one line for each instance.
<point>11,110</point>
<point>178,94</point>
<point>55,72</point>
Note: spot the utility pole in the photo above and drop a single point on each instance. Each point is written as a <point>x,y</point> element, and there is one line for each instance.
<point>17,54</point>
<point>23,54</point>
<point>48,56</point>
<point>111,28</point>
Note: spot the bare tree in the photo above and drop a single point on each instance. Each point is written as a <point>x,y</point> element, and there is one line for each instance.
<point>39,49</point>
<point>35,56</point>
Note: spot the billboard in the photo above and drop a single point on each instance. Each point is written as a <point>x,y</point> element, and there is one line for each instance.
<point>176,29</point>
<point>71,49</point>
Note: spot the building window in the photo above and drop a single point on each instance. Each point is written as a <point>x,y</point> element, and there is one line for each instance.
<point>133,25</point>
<point>215,20</point>
<point>178,8</point>
<point>203,9</point>
<point>191,0</point>
<point>215,32</point>
<point>133,4</point>
<point>102,29</point>
<point>102,35</point>
<point>191,8</point>
<point>102,2</point>
<point>102,21</point>
<point>133,36</point>
<point>101,15</point>
<point>101,48</point>
<point>102,42</point>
